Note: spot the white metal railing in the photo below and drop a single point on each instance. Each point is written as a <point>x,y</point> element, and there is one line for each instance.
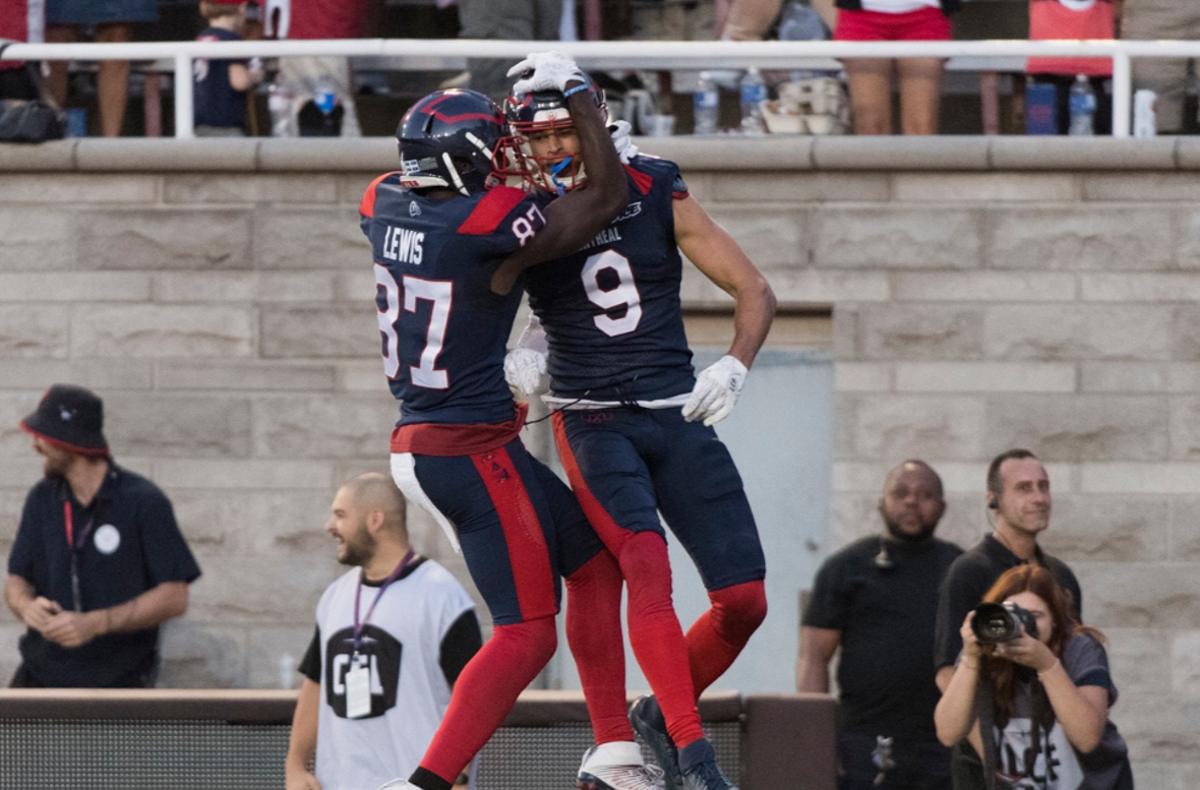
<point>617,54</point>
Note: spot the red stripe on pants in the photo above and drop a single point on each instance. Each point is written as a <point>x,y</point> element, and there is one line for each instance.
<point>527,551</point>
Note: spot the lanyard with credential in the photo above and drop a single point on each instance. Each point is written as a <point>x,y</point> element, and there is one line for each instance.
<point>74,548</point>
<point>358,626</point>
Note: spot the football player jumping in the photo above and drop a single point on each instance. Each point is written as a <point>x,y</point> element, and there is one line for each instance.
<point>449,256</point>
<point>633,423</point>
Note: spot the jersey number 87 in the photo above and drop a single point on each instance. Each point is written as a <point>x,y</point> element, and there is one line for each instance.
<point>440,292</point>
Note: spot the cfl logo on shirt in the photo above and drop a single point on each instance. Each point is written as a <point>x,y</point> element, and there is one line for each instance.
<point>380,650</point>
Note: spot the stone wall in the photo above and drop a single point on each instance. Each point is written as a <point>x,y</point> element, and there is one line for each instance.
<point>983,293</point>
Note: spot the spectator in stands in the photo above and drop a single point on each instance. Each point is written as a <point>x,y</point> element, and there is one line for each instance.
<point>1068,19</point>
<point>304,77</point>
<point>20,20</point>
<point>871,78</point>
<point>516,20</point>
<point>749,20</point>
<point>408,637</point>
<point>98,562</point>
<point>878,596</point>
<point>220,86</point>
<point>1043,717</point>
<point>113,21</point>
<point>1018,493</point>
<point>1168,77</point>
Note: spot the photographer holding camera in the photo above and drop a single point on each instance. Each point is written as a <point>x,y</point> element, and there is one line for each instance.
<point>1031,693</point>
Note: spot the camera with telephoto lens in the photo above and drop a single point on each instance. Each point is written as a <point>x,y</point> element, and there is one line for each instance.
<point>1001,622</point>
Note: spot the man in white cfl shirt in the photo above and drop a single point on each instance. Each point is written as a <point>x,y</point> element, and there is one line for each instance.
<point>392,636</point>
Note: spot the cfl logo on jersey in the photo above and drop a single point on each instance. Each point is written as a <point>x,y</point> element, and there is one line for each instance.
<point>631,211</point>
<point>380,650</point>
<point>403,245</point>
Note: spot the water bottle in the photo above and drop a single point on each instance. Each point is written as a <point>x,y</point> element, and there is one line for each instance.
<point>1145,123</point>
<point>279,102</point>
<point>707,104</point>
<point>1082,104</point>
<point>754,93</point>
<point>325,95</point>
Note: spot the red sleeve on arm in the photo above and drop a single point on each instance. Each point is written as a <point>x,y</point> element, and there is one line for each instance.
<point>367,206</point>
<point>491,210</point>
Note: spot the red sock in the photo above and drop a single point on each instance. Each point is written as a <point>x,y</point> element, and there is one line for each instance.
<point>656,636</point>
<point>598,646</point>
<point>486,691</point>
<point>719,635</point>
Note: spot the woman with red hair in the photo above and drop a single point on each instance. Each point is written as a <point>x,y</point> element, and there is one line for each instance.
<point>1034,706</point>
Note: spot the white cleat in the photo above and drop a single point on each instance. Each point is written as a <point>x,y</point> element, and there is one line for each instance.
<point>394,784</point>
<point>617,766</point>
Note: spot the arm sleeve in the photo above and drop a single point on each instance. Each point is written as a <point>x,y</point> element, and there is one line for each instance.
<point>461,642</point>
<point>167,556</point>
<point>310,665</point>
<point>828,606</point>
<point>956,597</point>
<point>25,557</point>
<point>1086,661</point>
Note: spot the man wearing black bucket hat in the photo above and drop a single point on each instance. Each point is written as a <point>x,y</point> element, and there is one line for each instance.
<point>98,562</point>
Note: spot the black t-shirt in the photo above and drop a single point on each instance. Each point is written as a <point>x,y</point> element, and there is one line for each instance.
<point>215,102</point>
<point>128,542</point>
<point>886,620</point>
<point>969,579</point>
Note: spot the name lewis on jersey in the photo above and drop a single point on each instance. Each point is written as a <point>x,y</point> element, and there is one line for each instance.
<point>403,245</point>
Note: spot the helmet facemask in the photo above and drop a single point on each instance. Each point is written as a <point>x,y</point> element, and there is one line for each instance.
<point>541,113</point>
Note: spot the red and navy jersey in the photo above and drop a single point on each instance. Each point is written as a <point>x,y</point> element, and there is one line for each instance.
<point>443,330</point>
<point>612,311</point>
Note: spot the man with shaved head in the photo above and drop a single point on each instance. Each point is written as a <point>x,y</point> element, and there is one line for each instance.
<point>876,600</point>
<point>393,634</point>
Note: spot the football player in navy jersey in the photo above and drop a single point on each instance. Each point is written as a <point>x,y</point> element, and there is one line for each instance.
<point>633,422</point>
<point>450,249</point>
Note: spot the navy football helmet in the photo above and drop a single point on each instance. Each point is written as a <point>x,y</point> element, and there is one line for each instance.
<point>449,139</point>
<point>542,111</point>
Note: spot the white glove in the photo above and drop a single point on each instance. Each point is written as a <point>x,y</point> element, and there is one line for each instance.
<point>523,369</point>
<point>626,150</point>
<point>544,71</point>
<point>716,391</point>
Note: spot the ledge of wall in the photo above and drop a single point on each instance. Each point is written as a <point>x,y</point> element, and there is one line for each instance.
<point>724,153</point>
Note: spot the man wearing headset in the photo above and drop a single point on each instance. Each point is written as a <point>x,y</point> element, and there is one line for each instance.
<point>878,596</point>
<point>1018,497</point>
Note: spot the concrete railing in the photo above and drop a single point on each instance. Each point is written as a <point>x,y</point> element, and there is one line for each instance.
<point>619,54</point>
